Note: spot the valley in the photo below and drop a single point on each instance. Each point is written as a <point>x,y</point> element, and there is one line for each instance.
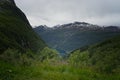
<point>68,37</point>
<point>75,51</point>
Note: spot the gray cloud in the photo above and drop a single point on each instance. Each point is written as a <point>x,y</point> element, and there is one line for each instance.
<point>53,12</point>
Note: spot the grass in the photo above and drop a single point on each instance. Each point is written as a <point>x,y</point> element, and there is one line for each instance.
<point>48,71</point>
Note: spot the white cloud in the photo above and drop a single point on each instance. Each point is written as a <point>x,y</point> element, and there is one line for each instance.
<point>53,12</point>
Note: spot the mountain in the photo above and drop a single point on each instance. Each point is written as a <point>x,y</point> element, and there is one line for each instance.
<point>68,37</point>
<point>15,30</point>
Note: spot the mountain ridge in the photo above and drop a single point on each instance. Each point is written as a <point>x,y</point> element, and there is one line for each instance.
<point>79,25</point>
<point>68,37</point>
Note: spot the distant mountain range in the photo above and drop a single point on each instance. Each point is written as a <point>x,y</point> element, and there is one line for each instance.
<point>68,37</point>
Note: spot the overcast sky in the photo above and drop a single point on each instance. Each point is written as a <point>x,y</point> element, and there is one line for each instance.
<point>53,12</point>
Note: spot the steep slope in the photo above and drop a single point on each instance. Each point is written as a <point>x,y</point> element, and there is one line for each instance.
<point>15,30</point>
<point>104,56</point>
<point>68,37</point>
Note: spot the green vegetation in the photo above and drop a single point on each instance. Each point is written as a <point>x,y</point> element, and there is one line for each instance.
<point>47,66</point>
<point>106,55</point>
<point>103,57</point>
<point>51,72</point>
<point>24,56</point>
<point>15,30</point>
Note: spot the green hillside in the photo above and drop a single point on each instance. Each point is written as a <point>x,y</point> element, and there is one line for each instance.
<point>103,57</point>
<point>15,30</point>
